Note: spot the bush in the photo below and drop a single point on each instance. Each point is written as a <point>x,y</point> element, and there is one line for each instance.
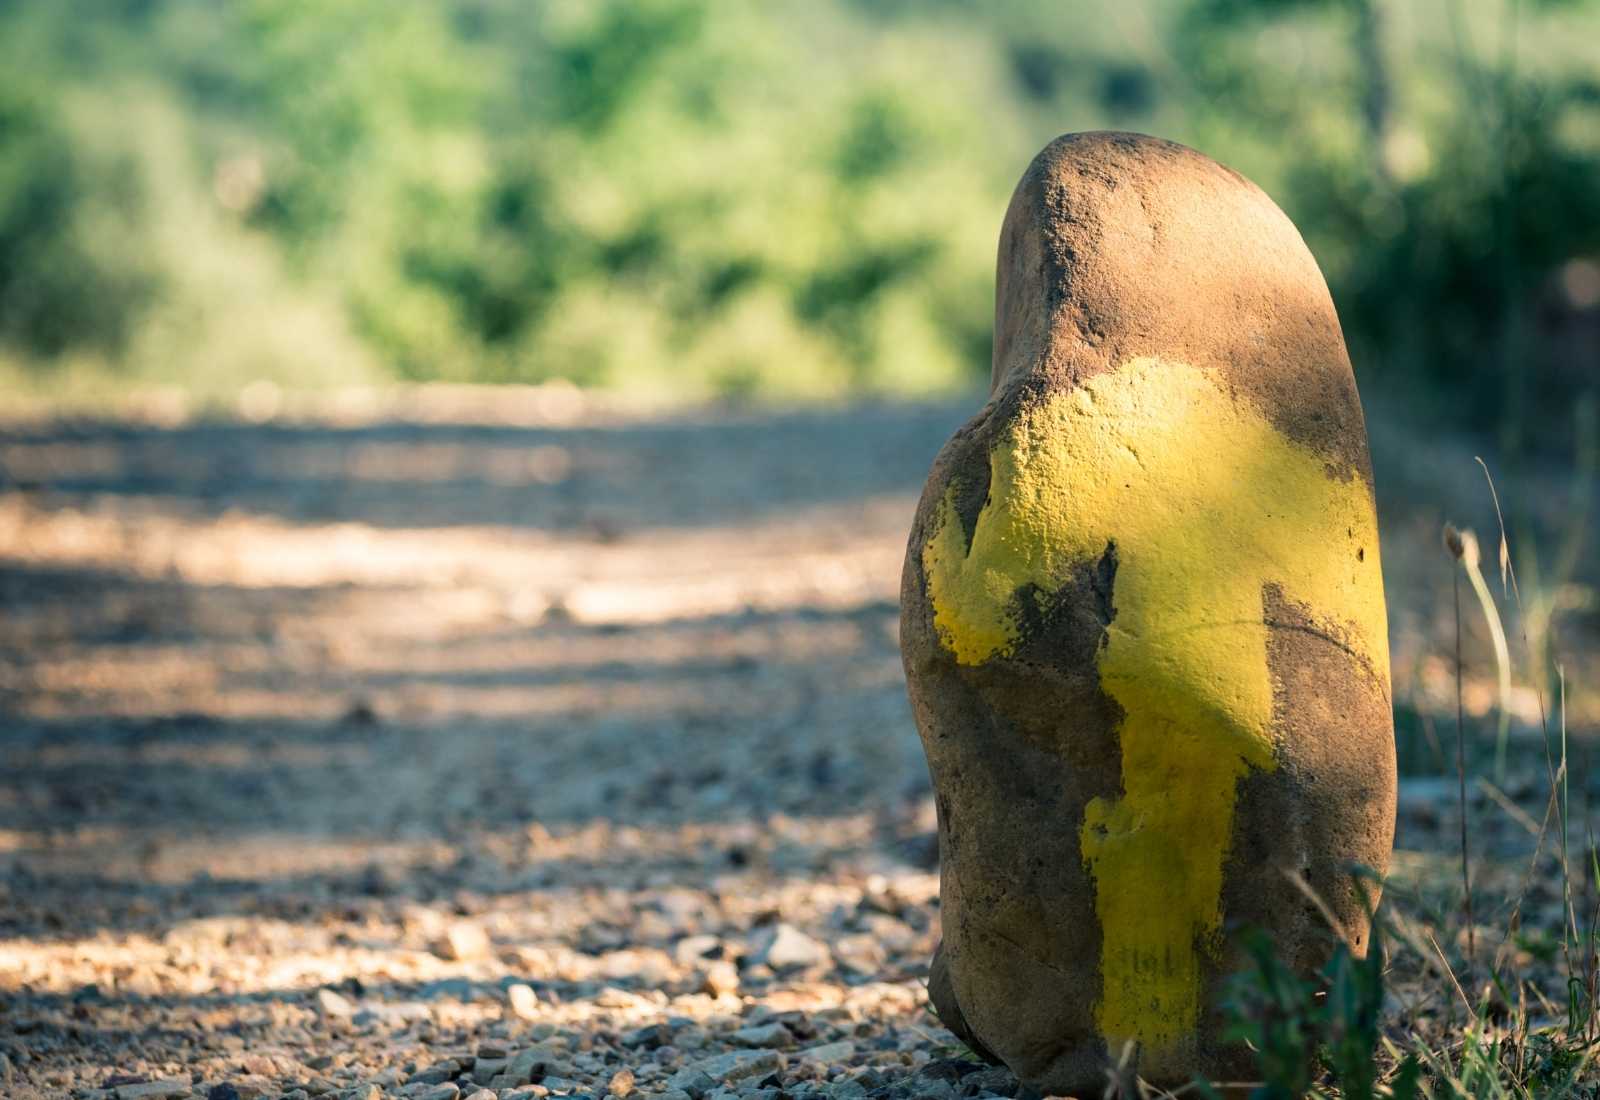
<point>57,293</point>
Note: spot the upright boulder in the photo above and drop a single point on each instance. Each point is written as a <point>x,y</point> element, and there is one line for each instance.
<point>1143,623</point>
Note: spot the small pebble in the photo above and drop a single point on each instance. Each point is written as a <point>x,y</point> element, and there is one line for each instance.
<point>772,1035</point>
<point>739,1064</point>
<point>650,1037</point>
<point>792,949</point>
<point>720,978</point>
<point>484,1069</point>
<point>693,949</point>
<point>333,1005</point>
<point>692,1082</point>
<point>829,1053</point>
<point>523,1001</point>
<point>465,941</point>
<point>436,1073</point>
<point>166,1088</point>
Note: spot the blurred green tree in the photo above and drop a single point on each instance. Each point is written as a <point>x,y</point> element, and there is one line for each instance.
<point>57,293</point>
<point>693,198</point>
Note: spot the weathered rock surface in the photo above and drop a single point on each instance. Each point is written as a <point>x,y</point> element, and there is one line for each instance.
<point>1143,622</point>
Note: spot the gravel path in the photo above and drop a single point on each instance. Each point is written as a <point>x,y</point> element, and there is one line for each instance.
<point>477,752</point>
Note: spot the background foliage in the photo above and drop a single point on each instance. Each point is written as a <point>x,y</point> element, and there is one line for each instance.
<point>692,198</point>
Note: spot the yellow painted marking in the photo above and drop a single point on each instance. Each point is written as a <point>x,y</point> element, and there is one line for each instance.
<point>1207,504</point>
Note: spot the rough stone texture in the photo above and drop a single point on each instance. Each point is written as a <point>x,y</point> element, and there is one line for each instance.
<point>1120,249</point>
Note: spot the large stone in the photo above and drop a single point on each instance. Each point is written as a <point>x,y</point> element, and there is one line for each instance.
<point>1143,623</point>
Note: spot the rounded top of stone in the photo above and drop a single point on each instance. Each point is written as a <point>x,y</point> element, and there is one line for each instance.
<point>1119,246</point>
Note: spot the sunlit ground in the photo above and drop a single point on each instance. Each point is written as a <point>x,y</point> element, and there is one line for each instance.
<point>415,698</point>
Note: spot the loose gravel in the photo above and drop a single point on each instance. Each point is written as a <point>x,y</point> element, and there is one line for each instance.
<point>438,759</point>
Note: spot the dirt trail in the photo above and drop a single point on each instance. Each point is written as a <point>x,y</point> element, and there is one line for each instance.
<point>320,735</point>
